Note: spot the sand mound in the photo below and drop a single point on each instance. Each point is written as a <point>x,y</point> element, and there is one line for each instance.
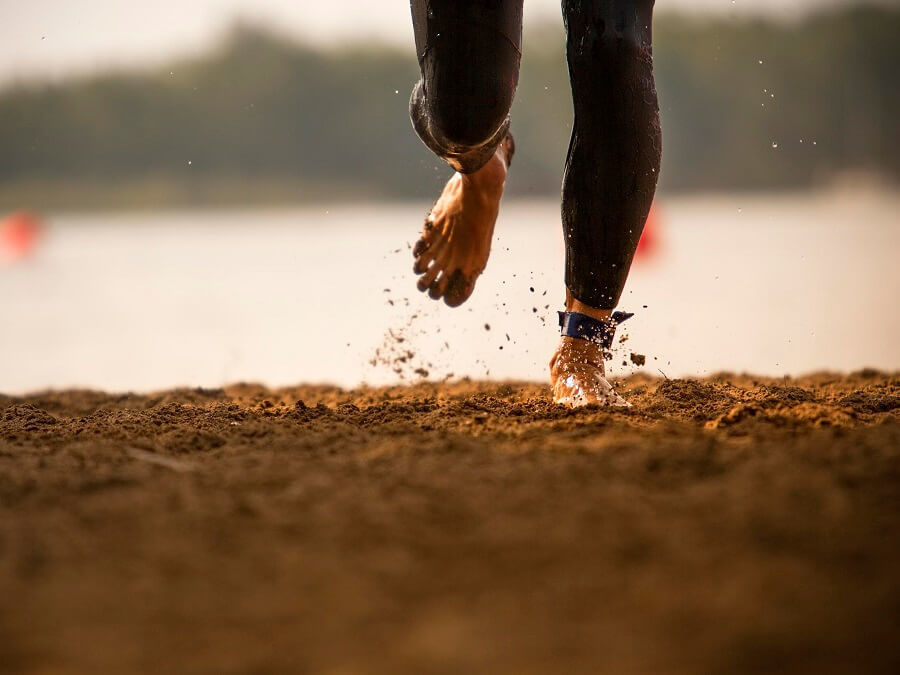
<point>730,524</point>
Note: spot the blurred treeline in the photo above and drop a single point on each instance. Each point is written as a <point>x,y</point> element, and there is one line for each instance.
<point>745,105</point>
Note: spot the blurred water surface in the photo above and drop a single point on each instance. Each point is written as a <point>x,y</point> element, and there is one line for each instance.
<point>771,284</point>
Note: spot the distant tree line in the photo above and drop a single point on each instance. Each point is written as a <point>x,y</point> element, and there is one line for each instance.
<point>745,105</point>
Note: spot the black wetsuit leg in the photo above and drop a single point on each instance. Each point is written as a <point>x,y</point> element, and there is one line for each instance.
<point>613,160</point>
<point>469,53</point>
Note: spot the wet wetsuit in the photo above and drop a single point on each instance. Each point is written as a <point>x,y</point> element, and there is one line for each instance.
<point>469,53</point>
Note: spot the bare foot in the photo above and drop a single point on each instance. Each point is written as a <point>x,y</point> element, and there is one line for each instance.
<point>578,377</point>
<point>456,240</point>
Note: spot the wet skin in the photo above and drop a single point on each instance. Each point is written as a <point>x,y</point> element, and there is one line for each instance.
<point>577,372</point>
<point>578,377</point>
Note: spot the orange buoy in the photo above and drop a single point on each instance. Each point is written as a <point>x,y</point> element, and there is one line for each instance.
<point>648,245</point>
<point>19,234</point>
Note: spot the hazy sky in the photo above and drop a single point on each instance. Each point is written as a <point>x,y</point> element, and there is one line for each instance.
<point>56,37</point>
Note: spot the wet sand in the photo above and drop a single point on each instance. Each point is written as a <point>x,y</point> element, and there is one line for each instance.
<point>725,525</point>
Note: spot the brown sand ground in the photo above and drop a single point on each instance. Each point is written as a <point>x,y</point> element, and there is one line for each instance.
<point>728,525</point>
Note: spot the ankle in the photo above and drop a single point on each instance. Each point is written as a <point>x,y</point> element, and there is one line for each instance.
<point>573,305</point>
<point>584,350</point>
<point>489,178</point>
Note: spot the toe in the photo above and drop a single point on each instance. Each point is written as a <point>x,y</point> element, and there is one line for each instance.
<point>426,279</point>
<point>420,247</point>
<point>459,288</point>
<point>434,252</point>
<point>421,264</point>
<point>436,288</point>
<point>427,238</point>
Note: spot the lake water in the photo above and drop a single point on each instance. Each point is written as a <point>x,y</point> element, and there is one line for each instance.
<point>768,284</point>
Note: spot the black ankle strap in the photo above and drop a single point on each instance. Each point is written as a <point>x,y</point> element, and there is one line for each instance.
<point>584,327</point>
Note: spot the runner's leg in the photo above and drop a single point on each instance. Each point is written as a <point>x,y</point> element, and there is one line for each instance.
<point>469,53</point>
<point>614,154</point>
<point>610,178</point>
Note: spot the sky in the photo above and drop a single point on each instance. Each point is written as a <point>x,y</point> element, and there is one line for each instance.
<point>54,38</point>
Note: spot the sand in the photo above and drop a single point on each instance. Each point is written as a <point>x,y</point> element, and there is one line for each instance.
<point>725,525</point>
